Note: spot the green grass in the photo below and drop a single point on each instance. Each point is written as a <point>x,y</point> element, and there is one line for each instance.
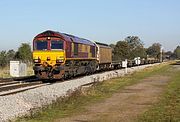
<point>168,108</point>
<point>77,102</point>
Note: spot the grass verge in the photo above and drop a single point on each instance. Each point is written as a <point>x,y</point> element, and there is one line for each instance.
<point>5,72</point>
<point>77,102</point>
<point>168,108</point>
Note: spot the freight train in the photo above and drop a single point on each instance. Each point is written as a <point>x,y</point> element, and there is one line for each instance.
<point>59,56</point>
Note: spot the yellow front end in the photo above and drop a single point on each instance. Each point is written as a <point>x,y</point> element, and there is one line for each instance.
<point>49,64</point>
<point>49,57</point>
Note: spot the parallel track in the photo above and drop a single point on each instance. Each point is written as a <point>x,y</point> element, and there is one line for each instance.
<point>22,89</point>
<point>14,85</point>
<point>17,78</point>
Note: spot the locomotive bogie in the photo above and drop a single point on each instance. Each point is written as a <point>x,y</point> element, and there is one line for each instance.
<point>79,67</point>
<point>49,72</point>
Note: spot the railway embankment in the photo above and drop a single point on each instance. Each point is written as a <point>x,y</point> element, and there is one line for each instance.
<point>24,103</point>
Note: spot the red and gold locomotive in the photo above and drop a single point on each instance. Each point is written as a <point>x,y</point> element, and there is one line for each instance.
<point>58,55</point>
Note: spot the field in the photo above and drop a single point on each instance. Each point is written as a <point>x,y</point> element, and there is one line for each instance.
<point>117,99</point>
<point>5,73</point>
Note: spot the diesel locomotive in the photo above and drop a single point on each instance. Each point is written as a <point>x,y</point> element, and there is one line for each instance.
<point>58,55</point>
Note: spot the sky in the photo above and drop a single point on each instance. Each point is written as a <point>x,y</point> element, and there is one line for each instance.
<point>106,21</point>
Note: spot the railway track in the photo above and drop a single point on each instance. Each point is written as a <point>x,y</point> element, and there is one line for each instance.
<point>32,77</point>
<point>22,89</point>
<point>9,86</point>
<point>14,85</point>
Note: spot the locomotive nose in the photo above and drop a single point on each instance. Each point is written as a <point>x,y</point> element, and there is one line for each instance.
<point>50,57</point>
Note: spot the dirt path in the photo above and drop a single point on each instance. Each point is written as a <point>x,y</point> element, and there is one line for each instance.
<point>125,105</point>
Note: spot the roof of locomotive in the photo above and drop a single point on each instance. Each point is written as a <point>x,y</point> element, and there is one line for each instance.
<point>65,36</point>
<point>79,40</point>
<point>49,33</point>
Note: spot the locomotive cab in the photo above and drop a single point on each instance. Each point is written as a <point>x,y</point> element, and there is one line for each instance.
<point>48,57</point>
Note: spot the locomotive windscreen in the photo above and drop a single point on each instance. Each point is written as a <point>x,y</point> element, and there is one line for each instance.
<point>41,45</point>
<point>56,44</point>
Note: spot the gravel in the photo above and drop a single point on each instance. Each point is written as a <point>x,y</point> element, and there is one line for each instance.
<point>23,103</point>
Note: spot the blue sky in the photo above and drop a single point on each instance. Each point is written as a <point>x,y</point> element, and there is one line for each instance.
<point>106,21</point>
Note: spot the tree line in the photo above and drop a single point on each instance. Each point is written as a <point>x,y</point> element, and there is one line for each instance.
<point>23,54</point>
<point>132,47</point>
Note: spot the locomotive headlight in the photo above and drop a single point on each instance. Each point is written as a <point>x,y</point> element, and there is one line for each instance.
<point>37,60</point>
<point>59,60</point>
